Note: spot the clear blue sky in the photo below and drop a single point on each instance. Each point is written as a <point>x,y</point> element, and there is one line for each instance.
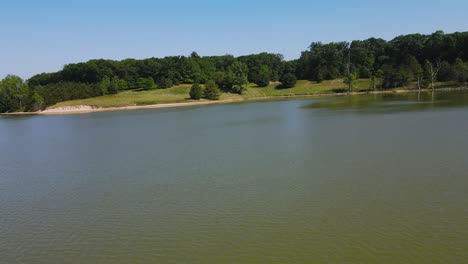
<point>42,36</point>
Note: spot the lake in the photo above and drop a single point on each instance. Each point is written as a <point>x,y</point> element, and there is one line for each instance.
<point>359,179</point>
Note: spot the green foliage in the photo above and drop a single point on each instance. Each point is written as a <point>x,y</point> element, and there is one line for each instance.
<point>427,67</point>
<point>350,80</point>
<point>239,72</point>
<point>64,91</point>
<point>393,78</point>
<point>117,85</point>
<point>447,72</point>
<point>36,102</point>
<point>414,68</point>
<point>211,91</point>
<point>196,91</point>
<point>375,79</point>
<point>263,77</point>
<point>225,80</point>
<point>323,61</point>
<point>288,81</point>
<point>149,84</point>
<point>13,94</point>
<point>255,63</point>
<point>164,83</point>
<point>453,72</point>
<point>146,83</point>
<point>104,85</point>
<point>461,71</point>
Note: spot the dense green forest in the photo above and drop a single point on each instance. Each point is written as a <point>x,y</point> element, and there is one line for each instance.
<point>418,58</point>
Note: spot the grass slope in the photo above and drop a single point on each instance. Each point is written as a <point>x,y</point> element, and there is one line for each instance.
<point>180,93</point>
<point>304,87</point>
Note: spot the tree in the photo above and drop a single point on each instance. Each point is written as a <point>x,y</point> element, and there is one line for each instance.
<point>416,70</point>
<point>240,72</point>
<point>288,81</point>
<point>394,77</point>
<point>375,76</point>
<point>13,94</point>
<point>196,91</point>
<point>211,91</point>
<point>104,85</point>
<point>324,61</point>
<point>350,77</point>
<point>146,83</point>
<point>225,80</point>
<point>149,84</point>
<point>432,71</point>
<point>36,102</point>
<point>350,80</point>
<point>256,62</point>
<point>263,77</point>
<point>461,71</point>
<point>117,85</point>
<point>164,83</point>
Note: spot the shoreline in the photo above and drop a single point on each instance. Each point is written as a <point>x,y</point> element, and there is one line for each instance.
<point>86,109</point>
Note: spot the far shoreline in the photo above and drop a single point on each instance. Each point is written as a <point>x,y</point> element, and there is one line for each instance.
<point>87,109</point>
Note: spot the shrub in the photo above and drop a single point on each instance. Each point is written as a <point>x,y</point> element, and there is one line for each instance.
<point>263,82</point>
<point>211,91</point>
<point>196,91</point>
<point>237,89</point>
<point>288,81</point>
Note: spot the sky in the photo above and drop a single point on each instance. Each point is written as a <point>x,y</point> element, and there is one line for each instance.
<point>43,36</point>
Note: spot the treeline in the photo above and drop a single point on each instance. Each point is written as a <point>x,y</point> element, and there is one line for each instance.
<point>415,57</point>
<point>169,71</point>
<point>418,58</point>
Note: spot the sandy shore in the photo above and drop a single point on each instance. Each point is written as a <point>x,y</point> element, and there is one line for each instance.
<point>84,109</point>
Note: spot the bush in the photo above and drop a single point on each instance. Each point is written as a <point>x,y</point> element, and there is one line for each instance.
<point>288,81</point>
<point>237,89</point>
<point>211,91</point>
<point>117,85</point>
<point>263,82</point>
<point>196,91</point>
<point>145,83</point>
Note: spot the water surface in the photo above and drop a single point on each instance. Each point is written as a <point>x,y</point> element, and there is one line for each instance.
<point>361,179</point>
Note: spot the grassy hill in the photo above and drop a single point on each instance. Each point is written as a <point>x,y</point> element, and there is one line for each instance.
<point>180,93</point>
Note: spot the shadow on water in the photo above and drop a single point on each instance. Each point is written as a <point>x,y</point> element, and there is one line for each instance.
<point>393,103</point>
<point>17,117</point>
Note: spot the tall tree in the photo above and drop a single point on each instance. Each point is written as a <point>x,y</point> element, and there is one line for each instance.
<point>240,73</point>
<point>13,94</point>
<point>263,77</point>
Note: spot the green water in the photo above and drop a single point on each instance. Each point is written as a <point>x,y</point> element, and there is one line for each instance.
<point>362,179</point>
